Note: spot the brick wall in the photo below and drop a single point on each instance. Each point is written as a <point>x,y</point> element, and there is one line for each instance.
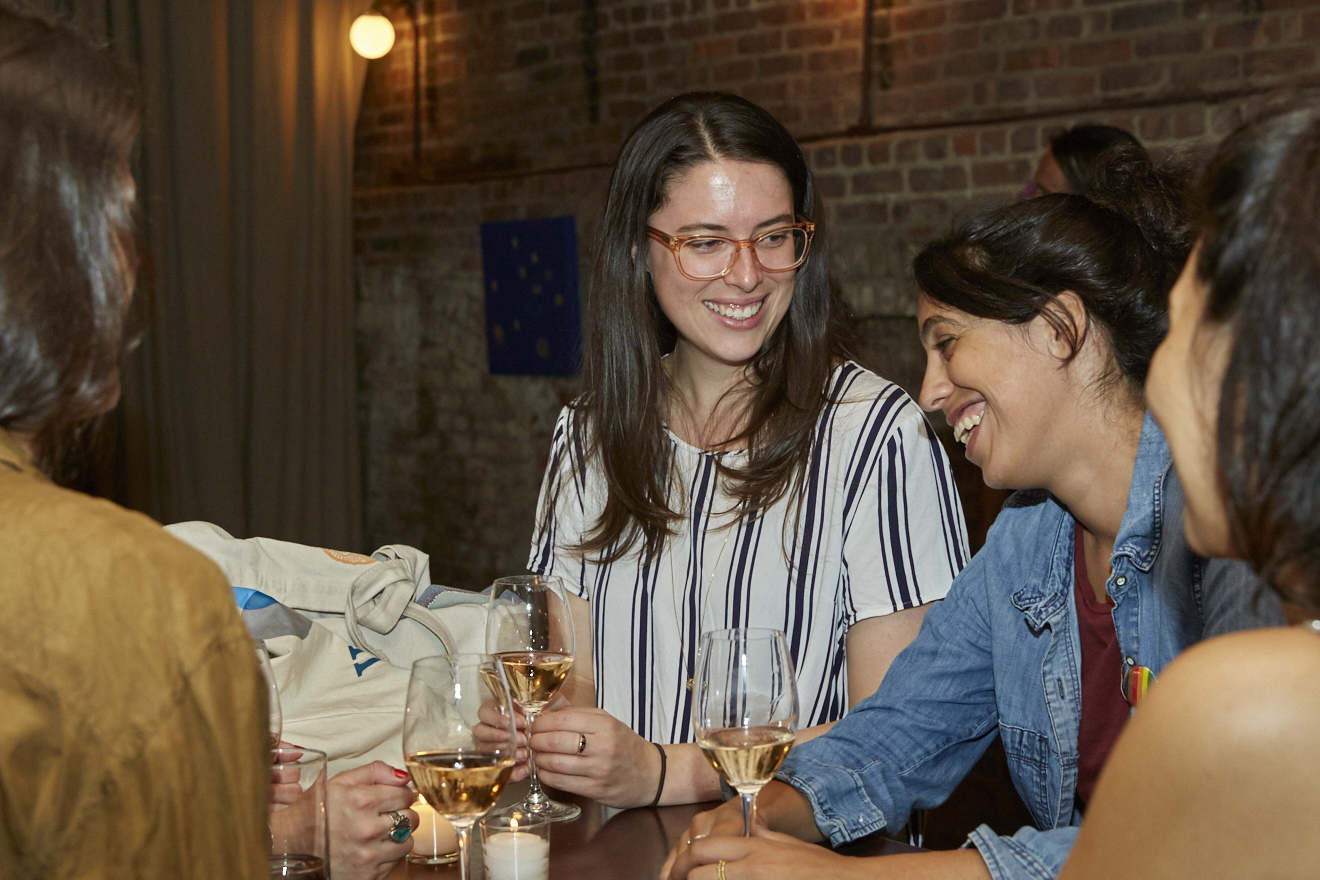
<point>526,102</point>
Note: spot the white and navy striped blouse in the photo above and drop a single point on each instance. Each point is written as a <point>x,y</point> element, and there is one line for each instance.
<point>879,529</point>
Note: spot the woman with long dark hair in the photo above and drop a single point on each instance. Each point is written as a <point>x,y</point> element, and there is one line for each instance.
<point>133,738</point>
<point>727,464</point>
<point>1219,773</point>
<point>1039,320</point>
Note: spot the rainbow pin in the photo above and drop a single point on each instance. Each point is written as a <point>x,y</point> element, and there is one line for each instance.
<point>1136,681</point>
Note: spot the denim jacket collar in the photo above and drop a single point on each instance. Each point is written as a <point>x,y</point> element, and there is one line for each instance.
<point>1139,535</point>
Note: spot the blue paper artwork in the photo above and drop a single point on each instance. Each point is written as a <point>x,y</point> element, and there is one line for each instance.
<point>530,271</point>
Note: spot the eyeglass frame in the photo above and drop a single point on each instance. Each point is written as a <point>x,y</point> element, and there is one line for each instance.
<point>675,242</point>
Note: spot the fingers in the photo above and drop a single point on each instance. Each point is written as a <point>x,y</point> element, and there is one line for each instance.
<point>375,773</point>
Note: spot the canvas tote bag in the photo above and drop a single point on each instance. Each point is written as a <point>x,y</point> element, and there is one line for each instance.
<point>342,630</point>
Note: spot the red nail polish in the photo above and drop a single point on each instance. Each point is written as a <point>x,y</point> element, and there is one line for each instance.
<point>402,774</point>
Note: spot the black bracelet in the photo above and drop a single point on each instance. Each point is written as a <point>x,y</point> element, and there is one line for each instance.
<point>661,787</point>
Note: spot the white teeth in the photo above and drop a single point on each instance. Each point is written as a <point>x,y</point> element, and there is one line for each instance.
<point>963,429</point>
<point>737,313</point>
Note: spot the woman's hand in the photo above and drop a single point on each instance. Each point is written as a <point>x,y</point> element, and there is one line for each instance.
<point>359,802</point>
<point>614,766</point>
<point>767,855</point>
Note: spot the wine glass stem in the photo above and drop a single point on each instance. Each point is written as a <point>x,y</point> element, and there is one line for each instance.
<point>464,866</point>
<point>535,796</point>
<point>749,813</point>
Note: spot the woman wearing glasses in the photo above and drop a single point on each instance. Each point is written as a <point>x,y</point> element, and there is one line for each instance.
<point>727,465</point>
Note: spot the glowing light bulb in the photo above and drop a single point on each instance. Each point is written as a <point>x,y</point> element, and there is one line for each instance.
<point>372,35</point>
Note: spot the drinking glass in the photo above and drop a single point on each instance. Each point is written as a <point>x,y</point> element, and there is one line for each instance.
<point>530,630</point>
<point>459,738</point>
<point>299,830</point>
<point>745,708</point>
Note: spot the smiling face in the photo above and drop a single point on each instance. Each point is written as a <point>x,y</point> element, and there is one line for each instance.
<point>1183,392</point>
<point>725,321</point>
<point>1002,389</point>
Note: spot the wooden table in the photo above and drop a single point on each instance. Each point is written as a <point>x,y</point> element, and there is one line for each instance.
<point>607,844</point>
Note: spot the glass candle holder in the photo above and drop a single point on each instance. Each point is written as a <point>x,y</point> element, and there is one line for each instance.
<point>516,846</point>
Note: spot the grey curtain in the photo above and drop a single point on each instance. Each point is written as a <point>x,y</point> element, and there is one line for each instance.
<point>240,405</point>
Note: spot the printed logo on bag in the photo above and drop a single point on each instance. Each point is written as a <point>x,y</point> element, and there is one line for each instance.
<point>360,667</point>
<point>347,558</point>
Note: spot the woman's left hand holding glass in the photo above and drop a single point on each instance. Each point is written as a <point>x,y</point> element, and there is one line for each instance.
<point>360,802</point>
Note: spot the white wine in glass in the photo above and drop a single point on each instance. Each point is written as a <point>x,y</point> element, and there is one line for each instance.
<point>529,629</point>
<point>459,738</point>
<point>744,708</point>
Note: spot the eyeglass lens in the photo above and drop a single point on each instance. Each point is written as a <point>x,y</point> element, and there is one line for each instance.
<point>777,250</point>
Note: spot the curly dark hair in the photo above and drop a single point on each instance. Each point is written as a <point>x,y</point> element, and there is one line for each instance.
<point>1119,251</point>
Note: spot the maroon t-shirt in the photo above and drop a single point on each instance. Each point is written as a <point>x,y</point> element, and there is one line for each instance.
<point>1104,711</point>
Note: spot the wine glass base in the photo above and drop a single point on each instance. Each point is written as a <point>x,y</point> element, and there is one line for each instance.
<point>551,811</point>
<point>442,859</point>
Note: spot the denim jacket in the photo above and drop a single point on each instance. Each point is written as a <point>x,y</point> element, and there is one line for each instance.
<point>1001,656</point>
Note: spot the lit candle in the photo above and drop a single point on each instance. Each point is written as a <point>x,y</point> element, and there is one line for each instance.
<point>434,836</point>
<point>514,855</point>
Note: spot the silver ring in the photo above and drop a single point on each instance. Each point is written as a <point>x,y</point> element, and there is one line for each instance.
<point>582,742</point>
<point>400,830</point>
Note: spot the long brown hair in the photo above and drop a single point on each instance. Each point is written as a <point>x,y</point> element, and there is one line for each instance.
<point>621,421</point>
<point>69,114</point>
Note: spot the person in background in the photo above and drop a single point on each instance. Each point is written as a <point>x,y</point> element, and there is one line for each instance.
<point>133,738</point>
<point>1218,775</point>
<point>1039,319</point>
<point>728,464</point>
<point>1070,162</point>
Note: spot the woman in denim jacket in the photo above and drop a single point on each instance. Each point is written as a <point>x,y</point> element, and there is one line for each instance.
<point>1039,320</point>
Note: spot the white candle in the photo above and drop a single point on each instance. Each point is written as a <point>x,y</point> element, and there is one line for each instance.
<point>434,835</point>
<point>511,855</point>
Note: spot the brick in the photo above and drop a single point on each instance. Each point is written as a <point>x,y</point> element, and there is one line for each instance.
<point>740,20</point>
<point>864,214</point>
<point>831,186</point>
<point>1100,54</point>
<point>1182,43</point>
<point>1011,34</point>
<point>1024,139</point>
<point>1131,76</point>
<point>1001,173</point>
<point>949,177</point>
<point>1038,58</point>
<point>826,157</point>
<point>977,64</point>
<point>1063,84</point>
<point>850,155</point>
<point>964,145</point>
<point>974,11</point>
<point>1311,26</point>
<point>878,152</point>
<point>918,19</point>
<point>1249,32</point>
<point>779,65</point>
<point>755,44</point>
<point>1148,15</point>
<point>874,182</point>
<point>734,71</point>
<point>936,147</point>
<point>1063,27</point>
<point>993,142</point>
<point>1204,70</point>
<point>1035,7</point>
<point>805,37</point>
<point>1279,62</point>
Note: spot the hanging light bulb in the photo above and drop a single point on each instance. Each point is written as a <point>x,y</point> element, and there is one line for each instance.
<point>372,35</point>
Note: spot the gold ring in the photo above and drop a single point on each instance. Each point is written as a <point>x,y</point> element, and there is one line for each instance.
<point>719,870</point>
<point>582,742</point>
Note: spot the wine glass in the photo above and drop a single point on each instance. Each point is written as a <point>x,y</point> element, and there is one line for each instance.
<point>272,693</point>
<point>459,738</point>
<point>744,708</point>
<point>530,631</point>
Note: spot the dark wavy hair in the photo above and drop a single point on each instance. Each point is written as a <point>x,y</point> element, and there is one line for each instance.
<point>69,114</point>
<point>1258,219</point>
<point>1079,152</point>
<point>1119,250</point>
<point>623,405</point>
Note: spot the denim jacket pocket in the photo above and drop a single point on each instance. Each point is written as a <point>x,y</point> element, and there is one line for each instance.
<point>1029,763</point>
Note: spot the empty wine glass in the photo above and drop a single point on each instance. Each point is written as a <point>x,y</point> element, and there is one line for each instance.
<point>459,738</point>
<point>744,708</point>
<point>530,630</point>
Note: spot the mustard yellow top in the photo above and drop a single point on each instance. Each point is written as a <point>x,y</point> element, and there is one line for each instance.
<point>132,718</point>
